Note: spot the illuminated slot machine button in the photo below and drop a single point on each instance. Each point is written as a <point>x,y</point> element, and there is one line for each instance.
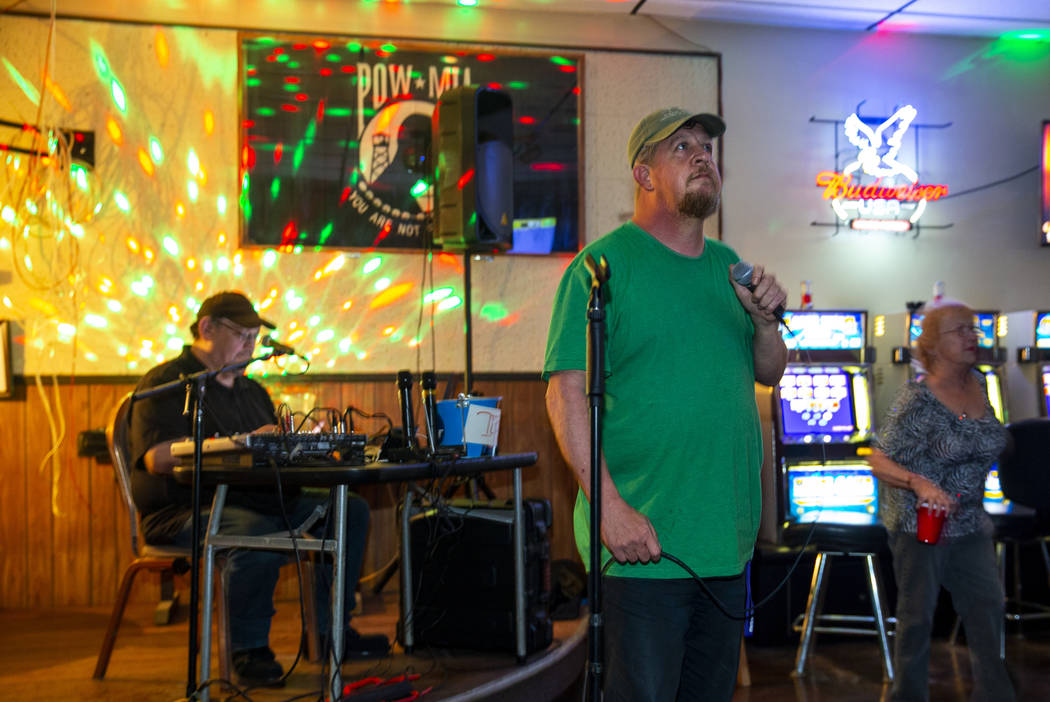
<point>821,393</point>
<point>820,380</point>
<point>837,380</point>
<point>798,406</point>
<point>788,393</point>
<point>804,381</point>
<point>805,393</point>
<point>839,392</point>
<point>787,381</point>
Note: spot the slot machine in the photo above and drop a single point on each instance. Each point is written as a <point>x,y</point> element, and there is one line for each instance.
<point>822,414</point>
<point>1028,371</point>
<point>901,366</point>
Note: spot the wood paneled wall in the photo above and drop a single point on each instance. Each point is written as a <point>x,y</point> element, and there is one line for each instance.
<point>64,530</point>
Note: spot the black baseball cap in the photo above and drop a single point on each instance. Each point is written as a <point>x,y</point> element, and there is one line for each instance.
<point>235,307</point>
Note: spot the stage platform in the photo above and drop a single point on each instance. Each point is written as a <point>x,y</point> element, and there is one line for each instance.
<point>49,655</point>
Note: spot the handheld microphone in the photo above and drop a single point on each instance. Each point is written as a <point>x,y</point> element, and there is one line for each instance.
<point>279,349</point>
<point>404,398</point>
<point>428,384</point>
<point>742,272</point>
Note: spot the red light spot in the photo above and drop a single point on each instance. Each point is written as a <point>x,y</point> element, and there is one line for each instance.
<point>292,79</point>
<point>278,151</point>
<point>345,196</point>
<point>252,71</point>
<point>321,45</point>
<point>289,108</point>
<point>320,111</point>
<point>271,58</point>
<point>486,57</point>
<point>567,69</point>
<point>494,86</point>
<point>301,97</point>
<point>527,120</point>
<point>326,72</point>
<point>248,157</point>
<point>77,136</point>
<point>278,51</point>
<point>576,90</point>
<point>298,47</point>
<point>289,234</point>
<point>548,166</point>
<point>348,69</point>
<point>382,54</point>
<point>248,123</point>
<point>465,178</point>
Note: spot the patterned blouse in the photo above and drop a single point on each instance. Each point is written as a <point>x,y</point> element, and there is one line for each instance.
<point>956,453</point>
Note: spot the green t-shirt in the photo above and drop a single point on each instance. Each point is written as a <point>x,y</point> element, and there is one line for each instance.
<point>681,433</point>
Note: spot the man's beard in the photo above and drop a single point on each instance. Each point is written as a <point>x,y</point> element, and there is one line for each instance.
<point>698,204</point>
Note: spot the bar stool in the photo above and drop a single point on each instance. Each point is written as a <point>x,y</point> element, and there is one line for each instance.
<point>863,541</point>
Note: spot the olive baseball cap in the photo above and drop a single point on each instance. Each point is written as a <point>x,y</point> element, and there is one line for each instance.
<point>661,124</point>
<point>235,307</point>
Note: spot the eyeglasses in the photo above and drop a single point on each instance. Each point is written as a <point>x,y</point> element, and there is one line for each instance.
<point>246,337</point>
<point>964,330</point>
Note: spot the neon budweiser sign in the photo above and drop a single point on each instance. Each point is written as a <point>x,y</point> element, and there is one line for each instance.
<point>876,187</point>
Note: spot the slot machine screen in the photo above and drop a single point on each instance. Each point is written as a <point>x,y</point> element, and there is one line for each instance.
<point>1046,389</point>
<point>816,401</point>
<point>1042,330</point>
<point>843,493</point>
<point>985,321</point>
<point>837,329</point>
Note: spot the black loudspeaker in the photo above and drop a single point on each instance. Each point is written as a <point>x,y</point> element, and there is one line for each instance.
<point>473,139</point>
<point>463,572</point>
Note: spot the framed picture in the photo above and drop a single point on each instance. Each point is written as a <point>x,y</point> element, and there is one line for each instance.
<point>6,389</point>
<point>336,140</point>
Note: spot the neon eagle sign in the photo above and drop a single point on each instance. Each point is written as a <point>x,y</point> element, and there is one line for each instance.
<point>885,195</point>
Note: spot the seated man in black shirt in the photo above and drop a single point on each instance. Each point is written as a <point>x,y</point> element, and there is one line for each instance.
<point>224,333</point>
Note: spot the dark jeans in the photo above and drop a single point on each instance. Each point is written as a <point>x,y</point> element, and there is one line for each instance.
<point>965,566</point>
<point>250,576</point>
<point>666,640</point>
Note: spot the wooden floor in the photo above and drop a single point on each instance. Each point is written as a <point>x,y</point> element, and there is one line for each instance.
<point>50,655</point>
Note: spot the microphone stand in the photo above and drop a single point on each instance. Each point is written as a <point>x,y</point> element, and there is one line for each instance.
<point>596,400</point>
<point>194,385</point>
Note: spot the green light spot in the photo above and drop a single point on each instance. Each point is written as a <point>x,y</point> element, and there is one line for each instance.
<point>437,295</point>
<point>223,264</point>
<point>517,85</point>
<point>326,335</point>
<point>493,312</point>
<point>389,48</point>
<point>449,303</point>
<point>118,96</point>
<point>560,61</point>
<point>220,204</point>
<point>354,46</point>
<point>293,64</point>
<point>371,264</point>
<point>291,88</point>
<point>192,190</point>
<point>122,201</point>
<point>419,188</point>
<point>252,82</point>
<point>333,58</point>
<point>297,157</point>
<point>314,321</point>
<point>283,58</point>
<point>265,111</point>
<point>325,233</point>
<point>155,152</point>
<point>79,176</point>
<point>193,163</point>
<point>269,258</point>
<point>170,245</point>
<point>337,111</point>
<point>275,188</point>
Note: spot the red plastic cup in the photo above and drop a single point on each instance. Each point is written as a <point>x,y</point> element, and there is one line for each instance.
<point>930,523</point>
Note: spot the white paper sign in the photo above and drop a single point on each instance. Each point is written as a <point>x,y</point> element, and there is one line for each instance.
<point>482,425</point>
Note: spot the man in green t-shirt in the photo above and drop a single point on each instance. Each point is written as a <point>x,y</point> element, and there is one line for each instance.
<point>681,442</point>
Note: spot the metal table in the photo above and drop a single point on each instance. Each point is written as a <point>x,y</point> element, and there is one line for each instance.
<point>339,478</point>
